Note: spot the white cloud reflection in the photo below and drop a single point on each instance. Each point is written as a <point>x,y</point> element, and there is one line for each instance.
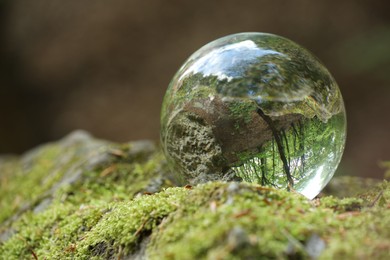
<point>229,61</point>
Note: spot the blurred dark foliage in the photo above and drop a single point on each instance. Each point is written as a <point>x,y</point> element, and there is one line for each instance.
<point>103,66</point>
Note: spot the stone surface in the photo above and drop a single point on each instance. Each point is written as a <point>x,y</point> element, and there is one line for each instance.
<point>85,198</point>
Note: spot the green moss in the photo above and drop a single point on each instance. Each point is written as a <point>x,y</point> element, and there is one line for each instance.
<point>75,206</point>
<point>242,111</point>
<point>117,180</point>
<point>256,222</point>
<point>195,88</point>
<point>21,185</point>
<point>342,205</point>
<point>120,206</point>
<point>249,222</point>
<point>349,186</point>
<point>51,234</point>
<point>127,222</point>
<point>363,235</point>
<point>378,196</point>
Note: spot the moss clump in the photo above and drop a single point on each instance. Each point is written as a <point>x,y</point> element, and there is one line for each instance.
<point>22,184</point>
<point>245,221</point>
<point>128,222</point>
<point>242,111</point>
<point>51,234</point>
<point>120,206</point>
<point>235,221</point>
<point>348,186</point>
<point>89,175</point>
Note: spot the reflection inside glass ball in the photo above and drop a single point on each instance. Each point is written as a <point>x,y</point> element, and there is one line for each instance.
<point>254,107</point>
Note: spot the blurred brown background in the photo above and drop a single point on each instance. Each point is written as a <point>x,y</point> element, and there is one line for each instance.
<point>104,66</point>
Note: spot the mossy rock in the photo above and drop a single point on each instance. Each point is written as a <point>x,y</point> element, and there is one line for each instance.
<point>82,198</point>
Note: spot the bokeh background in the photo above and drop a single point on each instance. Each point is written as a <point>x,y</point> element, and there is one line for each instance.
<point>104,66</point>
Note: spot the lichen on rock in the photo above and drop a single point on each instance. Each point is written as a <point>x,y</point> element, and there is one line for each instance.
<point>83,198</point>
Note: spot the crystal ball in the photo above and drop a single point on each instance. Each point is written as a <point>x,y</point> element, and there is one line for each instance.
<point>254,107</point>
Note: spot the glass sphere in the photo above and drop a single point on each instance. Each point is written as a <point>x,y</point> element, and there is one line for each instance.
<point>254,107</point>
